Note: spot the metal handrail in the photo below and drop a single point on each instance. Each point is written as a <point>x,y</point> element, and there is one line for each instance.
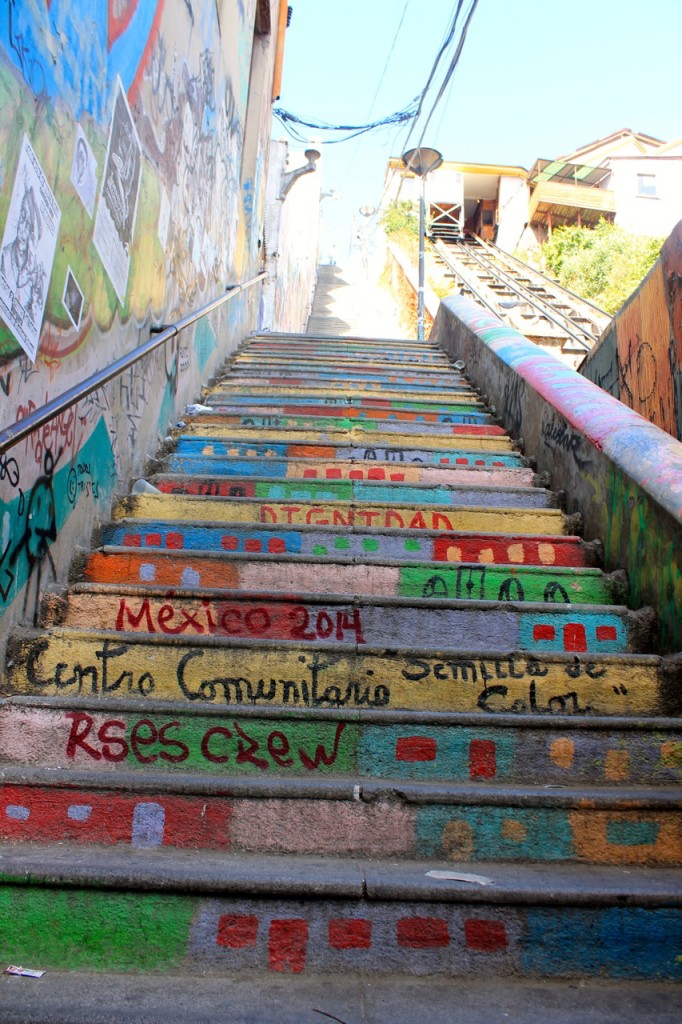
<point>22,428</point>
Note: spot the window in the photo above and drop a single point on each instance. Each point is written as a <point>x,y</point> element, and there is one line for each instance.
<point>646,185</point>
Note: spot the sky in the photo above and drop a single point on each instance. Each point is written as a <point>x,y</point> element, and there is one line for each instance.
<point>535,79</point>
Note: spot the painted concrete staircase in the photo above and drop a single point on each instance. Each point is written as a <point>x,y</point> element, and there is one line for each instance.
<point>346,692</point>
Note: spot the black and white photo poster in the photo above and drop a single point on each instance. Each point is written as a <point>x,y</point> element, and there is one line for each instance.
<point>117,208</point>
<point>72,299</point>
<point>27,251</point>
<point>84,171</point>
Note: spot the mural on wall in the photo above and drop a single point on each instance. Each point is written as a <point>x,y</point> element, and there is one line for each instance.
<point>639,358</point>
<point>121,207</point>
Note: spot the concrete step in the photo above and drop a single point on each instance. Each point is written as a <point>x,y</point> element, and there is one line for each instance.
<point>458,452</point>
<point>370,545</point>
<point>347,514</point>
<point>326,342</point>
<point>202,911</point>
<point>441,435</point>
<point>371,491</point>
<point>214,572</point>
<point>233,997</point>
<point>473,823</point>
<point>405,382</point>
<point>317,618</point>
<point>559,750</point>
<point>338,469</point>
<point>320,419</point>
<point>349,415</point>
<point>344,402</point>
<point>395,373</point>
<point>298,674</point>
<point>452,426</point>
<point>360,389</point>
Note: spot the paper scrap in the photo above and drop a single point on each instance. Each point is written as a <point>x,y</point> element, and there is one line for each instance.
<point>459,876</point>
<point>25,972</point>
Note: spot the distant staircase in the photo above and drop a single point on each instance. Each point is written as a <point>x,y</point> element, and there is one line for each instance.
<point>346,692</point>
<point>520,295</point>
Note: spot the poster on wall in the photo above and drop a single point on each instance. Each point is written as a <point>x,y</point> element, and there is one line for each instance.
<point>164,216</point>
<point>27,251</point>
<point>84,171</point>
<point>117,207</point>
<point>72,299</point>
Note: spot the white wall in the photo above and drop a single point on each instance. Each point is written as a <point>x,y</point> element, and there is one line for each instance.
<point>512,206</point>
<point>647,215</point>
<point>291,242</point>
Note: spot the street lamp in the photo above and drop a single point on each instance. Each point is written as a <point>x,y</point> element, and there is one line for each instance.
<point>363,234</point>
<point>421,162</point>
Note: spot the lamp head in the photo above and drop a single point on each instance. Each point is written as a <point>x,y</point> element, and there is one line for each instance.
<point>421,161</point>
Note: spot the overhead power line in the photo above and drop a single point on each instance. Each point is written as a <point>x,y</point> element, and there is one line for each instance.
<point>289,120</point>
<point>408,115</point>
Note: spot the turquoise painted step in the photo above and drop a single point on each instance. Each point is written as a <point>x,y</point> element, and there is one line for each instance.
<point>356,490</point>
<point>382,453</point>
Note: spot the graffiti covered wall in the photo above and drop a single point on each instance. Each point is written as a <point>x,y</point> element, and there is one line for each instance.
<point>132,157</point>
<point>620,472</point>
<point>639,357</point>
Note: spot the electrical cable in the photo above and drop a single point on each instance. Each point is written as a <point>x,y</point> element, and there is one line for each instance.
<point>356,150</point>
<point>288,120</point>
<point>453,64</point>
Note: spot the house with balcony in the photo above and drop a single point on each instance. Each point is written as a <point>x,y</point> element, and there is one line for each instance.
<point>627,177</point>
<point>630,178</point>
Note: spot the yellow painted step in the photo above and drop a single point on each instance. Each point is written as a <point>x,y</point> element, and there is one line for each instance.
<point>110,665</point>
<point>542,522</point>
<point>469,442</point>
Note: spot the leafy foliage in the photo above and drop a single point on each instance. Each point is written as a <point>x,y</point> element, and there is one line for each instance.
<point>604,264</point>
<point>400,216</point>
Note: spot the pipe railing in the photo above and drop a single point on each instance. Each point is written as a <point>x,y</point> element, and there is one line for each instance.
<point>12,435</point>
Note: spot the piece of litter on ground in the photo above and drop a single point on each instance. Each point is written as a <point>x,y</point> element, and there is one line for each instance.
<point>196,408</point>
<point>25,972</point>
<point>144,487</point>
<point>459,876</point>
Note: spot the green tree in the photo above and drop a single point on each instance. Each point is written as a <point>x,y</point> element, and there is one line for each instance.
<point>400,216</point>
<point>604,264</point>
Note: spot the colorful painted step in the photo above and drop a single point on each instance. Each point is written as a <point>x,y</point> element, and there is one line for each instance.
<point>283,574</point>
<point>427,746</point>
<point>370,545</point>
<point>204,669</point>
<point>394,623</point>
<point>323,469</point>
<point>307,489</point>
<point>374,452</point>
<point>200,914</point>
<point>349,628</point>
<point>346,514</point>
<point>288,816</point>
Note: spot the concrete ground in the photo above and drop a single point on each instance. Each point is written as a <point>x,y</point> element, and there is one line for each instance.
<point>351,300</point>
<point>71,998</point>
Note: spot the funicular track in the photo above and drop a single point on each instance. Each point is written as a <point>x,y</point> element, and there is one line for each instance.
<point>522,296</point>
